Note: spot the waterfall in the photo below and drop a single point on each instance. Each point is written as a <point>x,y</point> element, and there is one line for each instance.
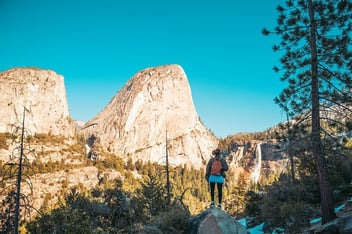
<point>257,164</point>
<point>90,155</point>
<point>87,149</point>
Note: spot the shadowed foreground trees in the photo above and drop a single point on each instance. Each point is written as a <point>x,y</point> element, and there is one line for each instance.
<point>15,174</point>
<point>111,210</point>
<point>317,65</point>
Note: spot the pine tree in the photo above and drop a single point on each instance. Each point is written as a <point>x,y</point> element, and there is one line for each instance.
<point>317,65</point>
<point>152,195</point>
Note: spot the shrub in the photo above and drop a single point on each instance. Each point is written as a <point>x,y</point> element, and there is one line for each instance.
<point>43,138</point>
<point>4,137</point>
<point>289,205</point>
<point>175,219</point>
<point>78,148</point>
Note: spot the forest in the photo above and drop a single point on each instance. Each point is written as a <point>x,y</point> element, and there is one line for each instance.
<point>316,65</point>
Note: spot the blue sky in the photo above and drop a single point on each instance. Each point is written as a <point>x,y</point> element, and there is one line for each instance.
<point>98,45</point>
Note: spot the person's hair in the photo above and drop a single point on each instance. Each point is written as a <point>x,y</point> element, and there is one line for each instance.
<point>216,152</point>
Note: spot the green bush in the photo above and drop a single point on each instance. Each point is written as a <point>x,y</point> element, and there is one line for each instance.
<point>78,148</point>
<point>175,220</point>
<point>43,138</point>
<point>296,214</point>
<point>4,137</point>
<point>287,204</point>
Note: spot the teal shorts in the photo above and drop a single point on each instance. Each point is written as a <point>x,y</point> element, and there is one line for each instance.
<point>216,179</point>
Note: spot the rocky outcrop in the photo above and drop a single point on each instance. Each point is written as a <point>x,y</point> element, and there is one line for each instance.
<point>215,220</point>
<point>339,225</point>
<point>43,94</point>
<point>154,106</point>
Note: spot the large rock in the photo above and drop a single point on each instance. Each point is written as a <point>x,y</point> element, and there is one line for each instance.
<point>341,225</point>
<point>43,93</point>
<point>216,221</point>
<point>154,106</point>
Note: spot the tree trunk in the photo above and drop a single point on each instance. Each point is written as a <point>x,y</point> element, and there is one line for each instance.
<point>327,208</point>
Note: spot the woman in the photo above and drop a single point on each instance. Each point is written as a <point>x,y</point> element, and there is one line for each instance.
<point>215,174</point>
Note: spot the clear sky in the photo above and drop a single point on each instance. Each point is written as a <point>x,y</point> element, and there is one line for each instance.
<point>98,45</point>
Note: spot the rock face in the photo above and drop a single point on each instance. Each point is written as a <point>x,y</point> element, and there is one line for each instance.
<point>254,160</point>
<point>217,221</point>
<point>43,94</point>
<point>154,106</point>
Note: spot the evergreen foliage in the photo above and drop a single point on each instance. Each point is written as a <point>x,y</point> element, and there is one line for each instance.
<point>111,210</point>
<point>236,196</point>
<point>290,206</point>
<point>138,202</point>
<point>7,212</point>
<point>152,195</point>
<point>317,65</point>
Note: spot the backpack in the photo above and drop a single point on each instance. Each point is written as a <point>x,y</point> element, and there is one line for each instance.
<point>216,167</point>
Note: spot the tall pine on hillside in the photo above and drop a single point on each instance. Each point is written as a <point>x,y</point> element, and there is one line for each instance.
<point>317,65</point>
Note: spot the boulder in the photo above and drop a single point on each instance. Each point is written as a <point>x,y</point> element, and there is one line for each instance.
<point>215,221</point>
<point>342,225</point>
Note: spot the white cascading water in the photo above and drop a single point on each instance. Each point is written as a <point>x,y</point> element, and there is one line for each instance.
<point>87,149</point>
<point>257,164</point>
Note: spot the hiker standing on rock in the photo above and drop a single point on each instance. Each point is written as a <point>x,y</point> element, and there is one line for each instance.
<point>215,174</point>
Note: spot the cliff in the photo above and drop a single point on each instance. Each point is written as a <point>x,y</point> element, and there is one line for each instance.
<point>154,106</point>
<point>43,94</point>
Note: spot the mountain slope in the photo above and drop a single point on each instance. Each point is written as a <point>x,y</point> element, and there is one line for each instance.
<point>154,106</point>
<point>43,94</point>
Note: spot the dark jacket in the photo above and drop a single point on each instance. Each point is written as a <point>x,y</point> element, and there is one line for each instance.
<point>208,168</point>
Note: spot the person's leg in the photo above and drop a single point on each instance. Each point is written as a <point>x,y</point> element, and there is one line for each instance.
<point>219,185</point>
<point>212,188</point>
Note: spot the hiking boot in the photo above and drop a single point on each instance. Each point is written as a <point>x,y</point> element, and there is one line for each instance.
<point>212,205</point>
<point>219,205</point>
